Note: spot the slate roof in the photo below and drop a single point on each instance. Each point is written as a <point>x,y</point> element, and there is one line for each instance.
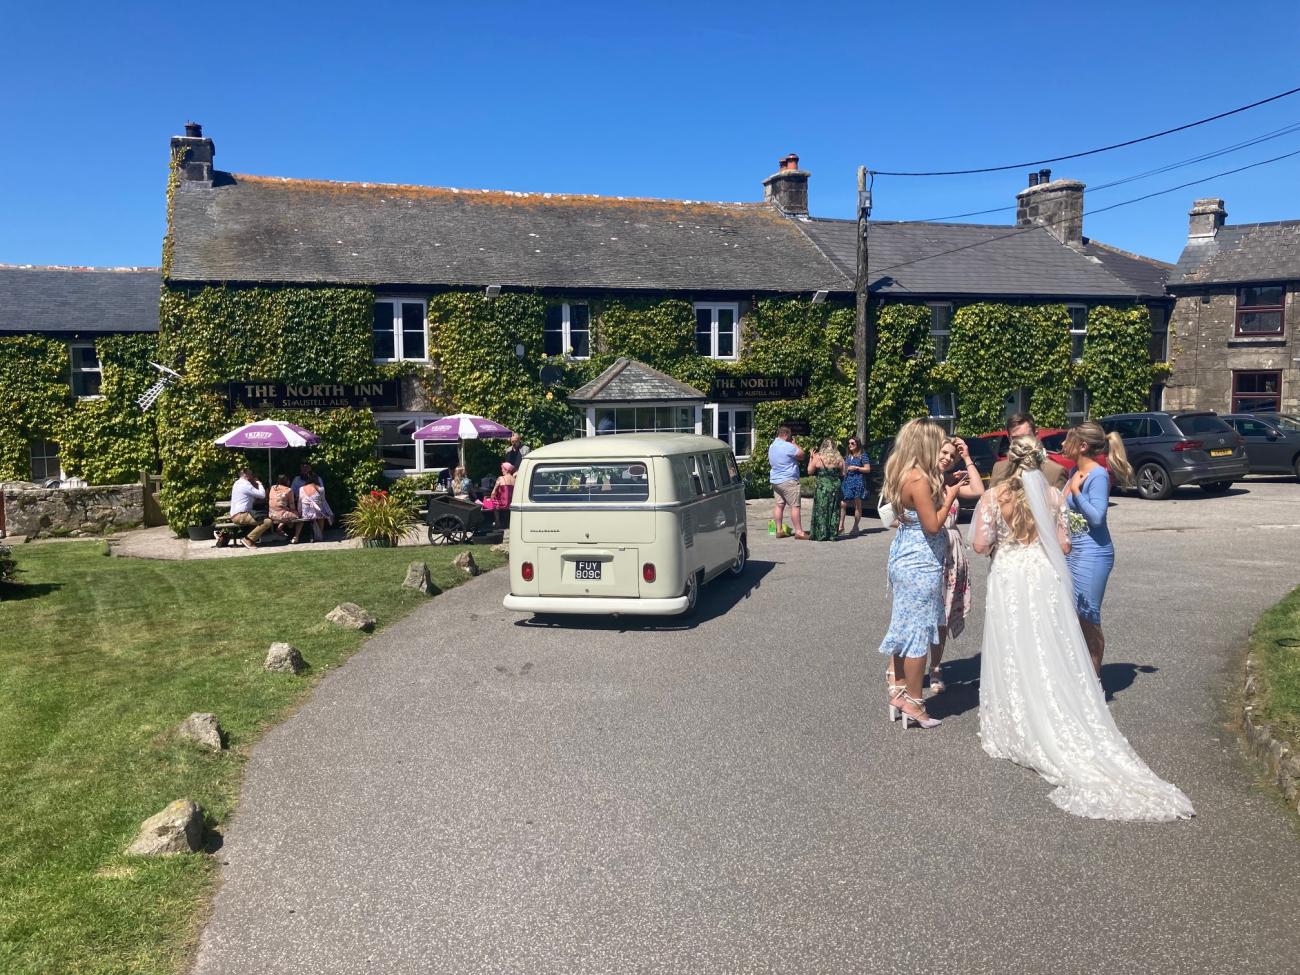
<point>67,300</point>
<point>628,380</point>
<point>950,259</point>
<point>1246,252</point>
<point>260,229</point>
<point>1145,275</point>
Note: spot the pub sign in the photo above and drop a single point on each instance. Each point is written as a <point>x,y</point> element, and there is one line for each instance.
<point>756,387</point>
<point>385,394</point>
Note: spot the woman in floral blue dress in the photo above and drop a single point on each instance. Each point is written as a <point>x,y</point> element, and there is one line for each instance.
<point>854,486</point>
<point>914,485</point>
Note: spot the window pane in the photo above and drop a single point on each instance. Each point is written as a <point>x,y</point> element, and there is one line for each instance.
<point>1256,382</point>
<point>1078,317</point>
<point>685,419</point>
<point>1259,323</point>
<point>385,347</point>
<point>85,383</point>
<point>625,420</point>
<point>84,357</point>
<point>704,331</point>
<point>941,346</point>
<point>1076,346</point>
<point>710,479</point>
<point>1268,296</point>
<point>940,317</point>
<point>413,340</point>
<point>606,421</point>
<point>620,481</point>
<point>723,431</point>
<point>553,331</point>
<point>579,331</point>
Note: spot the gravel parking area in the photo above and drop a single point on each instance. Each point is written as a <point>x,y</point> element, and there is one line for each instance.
<point>476,792</point>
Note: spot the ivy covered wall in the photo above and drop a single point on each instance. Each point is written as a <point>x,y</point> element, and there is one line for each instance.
<point>103,441</point>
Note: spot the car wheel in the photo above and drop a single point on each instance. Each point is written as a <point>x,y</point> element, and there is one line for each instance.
<point>1218,487</point>
<point>692,593</point>
<point>1153,483</point>
<point>741,559</point>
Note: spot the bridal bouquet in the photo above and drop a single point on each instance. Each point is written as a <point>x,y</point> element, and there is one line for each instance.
<point>1076,524</point>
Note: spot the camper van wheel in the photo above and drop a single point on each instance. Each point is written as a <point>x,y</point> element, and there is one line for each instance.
<point>742,556</point>
<point>692,593</point>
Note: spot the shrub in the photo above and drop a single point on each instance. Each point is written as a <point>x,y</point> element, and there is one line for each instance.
<point>380,515</point>
<point>7,564</point>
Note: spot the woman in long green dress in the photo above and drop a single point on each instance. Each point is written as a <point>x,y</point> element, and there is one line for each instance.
<point>827,466</point>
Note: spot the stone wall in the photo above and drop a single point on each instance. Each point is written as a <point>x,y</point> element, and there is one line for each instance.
<point>36,512</point>
<point>1204,351</point>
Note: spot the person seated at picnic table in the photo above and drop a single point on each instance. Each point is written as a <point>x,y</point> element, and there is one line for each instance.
<point>461,486</point>
<point>246,494</point>
<point>313,507</point>
<point>305,476</point>
<point>502,491</point>
<point>284,509</point>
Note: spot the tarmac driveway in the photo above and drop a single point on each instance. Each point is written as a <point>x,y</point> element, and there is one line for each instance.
<point>478,793</point>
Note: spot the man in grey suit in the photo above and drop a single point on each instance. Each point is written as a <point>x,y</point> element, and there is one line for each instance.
<point>1023,425</point>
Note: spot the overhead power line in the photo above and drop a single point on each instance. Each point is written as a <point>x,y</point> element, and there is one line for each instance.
<point>1203,157</point>
<point>1093,152</point>
<point>1087,213</point>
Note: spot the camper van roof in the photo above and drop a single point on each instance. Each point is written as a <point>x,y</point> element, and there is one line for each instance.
<point>627,445</point>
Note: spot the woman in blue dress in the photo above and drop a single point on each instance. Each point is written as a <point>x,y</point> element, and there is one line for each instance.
<point>854,486</point>
<point>915,487</point>
<point>1092,555</point>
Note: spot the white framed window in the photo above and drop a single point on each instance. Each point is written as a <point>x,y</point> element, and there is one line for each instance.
<point>942,408</point>
<point>717,330</point>
<point>567,331</point>
<point>1076,407</point>
<point>1016,401</point>
<point>940,329</point>
<point>45,460</point>
<point>1078,330</point>
<point>401,455</point>
<point>641,418</point>
<point>399,331</point>
<point>87,374</point>
<point>733,425</point>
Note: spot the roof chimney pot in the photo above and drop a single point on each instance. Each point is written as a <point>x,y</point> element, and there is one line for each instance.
<point>787,188</point>
<point>1205,218</point>
<point>194,155</point>
<point>193,130</point>
<point>1033,179</point>
<point>1044,176</point>
<point>1056,207</point>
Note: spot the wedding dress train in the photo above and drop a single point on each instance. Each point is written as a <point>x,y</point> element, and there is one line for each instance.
<point>1041,704</point>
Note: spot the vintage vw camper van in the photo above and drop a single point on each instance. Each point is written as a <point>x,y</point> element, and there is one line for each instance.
<point>629,523</point>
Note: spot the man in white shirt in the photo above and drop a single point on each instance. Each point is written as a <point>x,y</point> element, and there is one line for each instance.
<point>246,494</point>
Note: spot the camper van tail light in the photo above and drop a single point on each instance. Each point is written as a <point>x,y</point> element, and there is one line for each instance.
<point>648,572</point>
<point>526,570</point>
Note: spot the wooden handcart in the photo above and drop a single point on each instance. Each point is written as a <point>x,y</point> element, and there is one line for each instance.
<point>452,520</point>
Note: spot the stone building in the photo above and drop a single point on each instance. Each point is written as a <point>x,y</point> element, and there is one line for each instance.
<point>1237,301</point>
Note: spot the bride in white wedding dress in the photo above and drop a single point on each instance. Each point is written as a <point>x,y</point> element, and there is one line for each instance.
<point>1041,705</point>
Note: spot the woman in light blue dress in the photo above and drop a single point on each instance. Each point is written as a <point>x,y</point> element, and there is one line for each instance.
<point>914,486</point>
<point>1092,554</point>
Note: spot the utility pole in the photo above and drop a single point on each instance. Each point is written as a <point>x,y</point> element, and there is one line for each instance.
<point>864,332</point>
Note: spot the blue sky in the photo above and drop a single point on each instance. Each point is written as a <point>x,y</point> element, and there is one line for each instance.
<point>686,100</point>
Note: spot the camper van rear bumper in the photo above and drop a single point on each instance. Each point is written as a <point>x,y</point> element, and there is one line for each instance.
<point>596,606</point>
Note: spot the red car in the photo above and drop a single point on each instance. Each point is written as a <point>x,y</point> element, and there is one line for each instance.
<point>1053,438</point>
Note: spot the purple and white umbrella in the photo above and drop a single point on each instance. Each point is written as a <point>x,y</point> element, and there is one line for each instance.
<point>460,427</point>
<point>267,435</point>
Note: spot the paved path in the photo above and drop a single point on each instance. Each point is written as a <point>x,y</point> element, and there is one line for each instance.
<point>476,794</point>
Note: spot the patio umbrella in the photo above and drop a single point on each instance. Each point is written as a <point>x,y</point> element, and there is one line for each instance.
<point>460,427</point>
<point>268,435</point>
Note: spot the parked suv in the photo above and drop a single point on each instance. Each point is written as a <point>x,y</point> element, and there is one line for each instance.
<point>1272,442</point>
<point>1168,450</point>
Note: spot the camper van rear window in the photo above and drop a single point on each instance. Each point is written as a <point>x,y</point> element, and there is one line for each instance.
<point>608,483</point>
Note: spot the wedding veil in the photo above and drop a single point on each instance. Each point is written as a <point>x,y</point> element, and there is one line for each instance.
<point>1045,520</point>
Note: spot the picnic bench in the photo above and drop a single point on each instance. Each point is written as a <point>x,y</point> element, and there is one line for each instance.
<point>226,531</point>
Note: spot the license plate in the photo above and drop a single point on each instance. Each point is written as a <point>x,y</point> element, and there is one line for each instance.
<point>1221,453</point>
<point>586,570</point>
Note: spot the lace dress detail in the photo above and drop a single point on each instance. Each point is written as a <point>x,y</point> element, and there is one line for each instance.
<point>1041,704</point>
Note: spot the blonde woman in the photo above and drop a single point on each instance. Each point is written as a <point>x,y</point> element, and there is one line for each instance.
<point>954,460</point>
<point>827,467</point>
<point>1041,705</point>
<point>915,488</point>
<point>1087,493</point>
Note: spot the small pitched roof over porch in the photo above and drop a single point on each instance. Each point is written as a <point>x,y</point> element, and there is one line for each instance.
<point>630,381</point>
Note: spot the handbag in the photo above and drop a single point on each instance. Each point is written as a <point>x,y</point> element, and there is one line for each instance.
<point>885,511</point>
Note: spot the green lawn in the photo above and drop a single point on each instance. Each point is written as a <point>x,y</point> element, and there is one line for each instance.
<point>1275,643</point>
<point>100,658</point>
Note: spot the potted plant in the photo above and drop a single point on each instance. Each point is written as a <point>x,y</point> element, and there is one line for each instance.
<point>379,520</point>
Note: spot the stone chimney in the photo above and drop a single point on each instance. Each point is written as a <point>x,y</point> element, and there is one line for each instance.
<point>1055,205</point>
<point>1205,218</point>
<point>787,188</point>
<point>196,157</point>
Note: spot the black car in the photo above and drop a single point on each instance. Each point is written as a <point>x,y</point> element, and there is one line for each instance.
<point>1168,450</point>
<point>1272,441</point>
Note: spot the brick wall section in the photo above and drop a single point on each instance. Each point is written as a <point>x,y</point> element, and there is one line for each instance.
<point>1204,352</point>
<point>32,512</point>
